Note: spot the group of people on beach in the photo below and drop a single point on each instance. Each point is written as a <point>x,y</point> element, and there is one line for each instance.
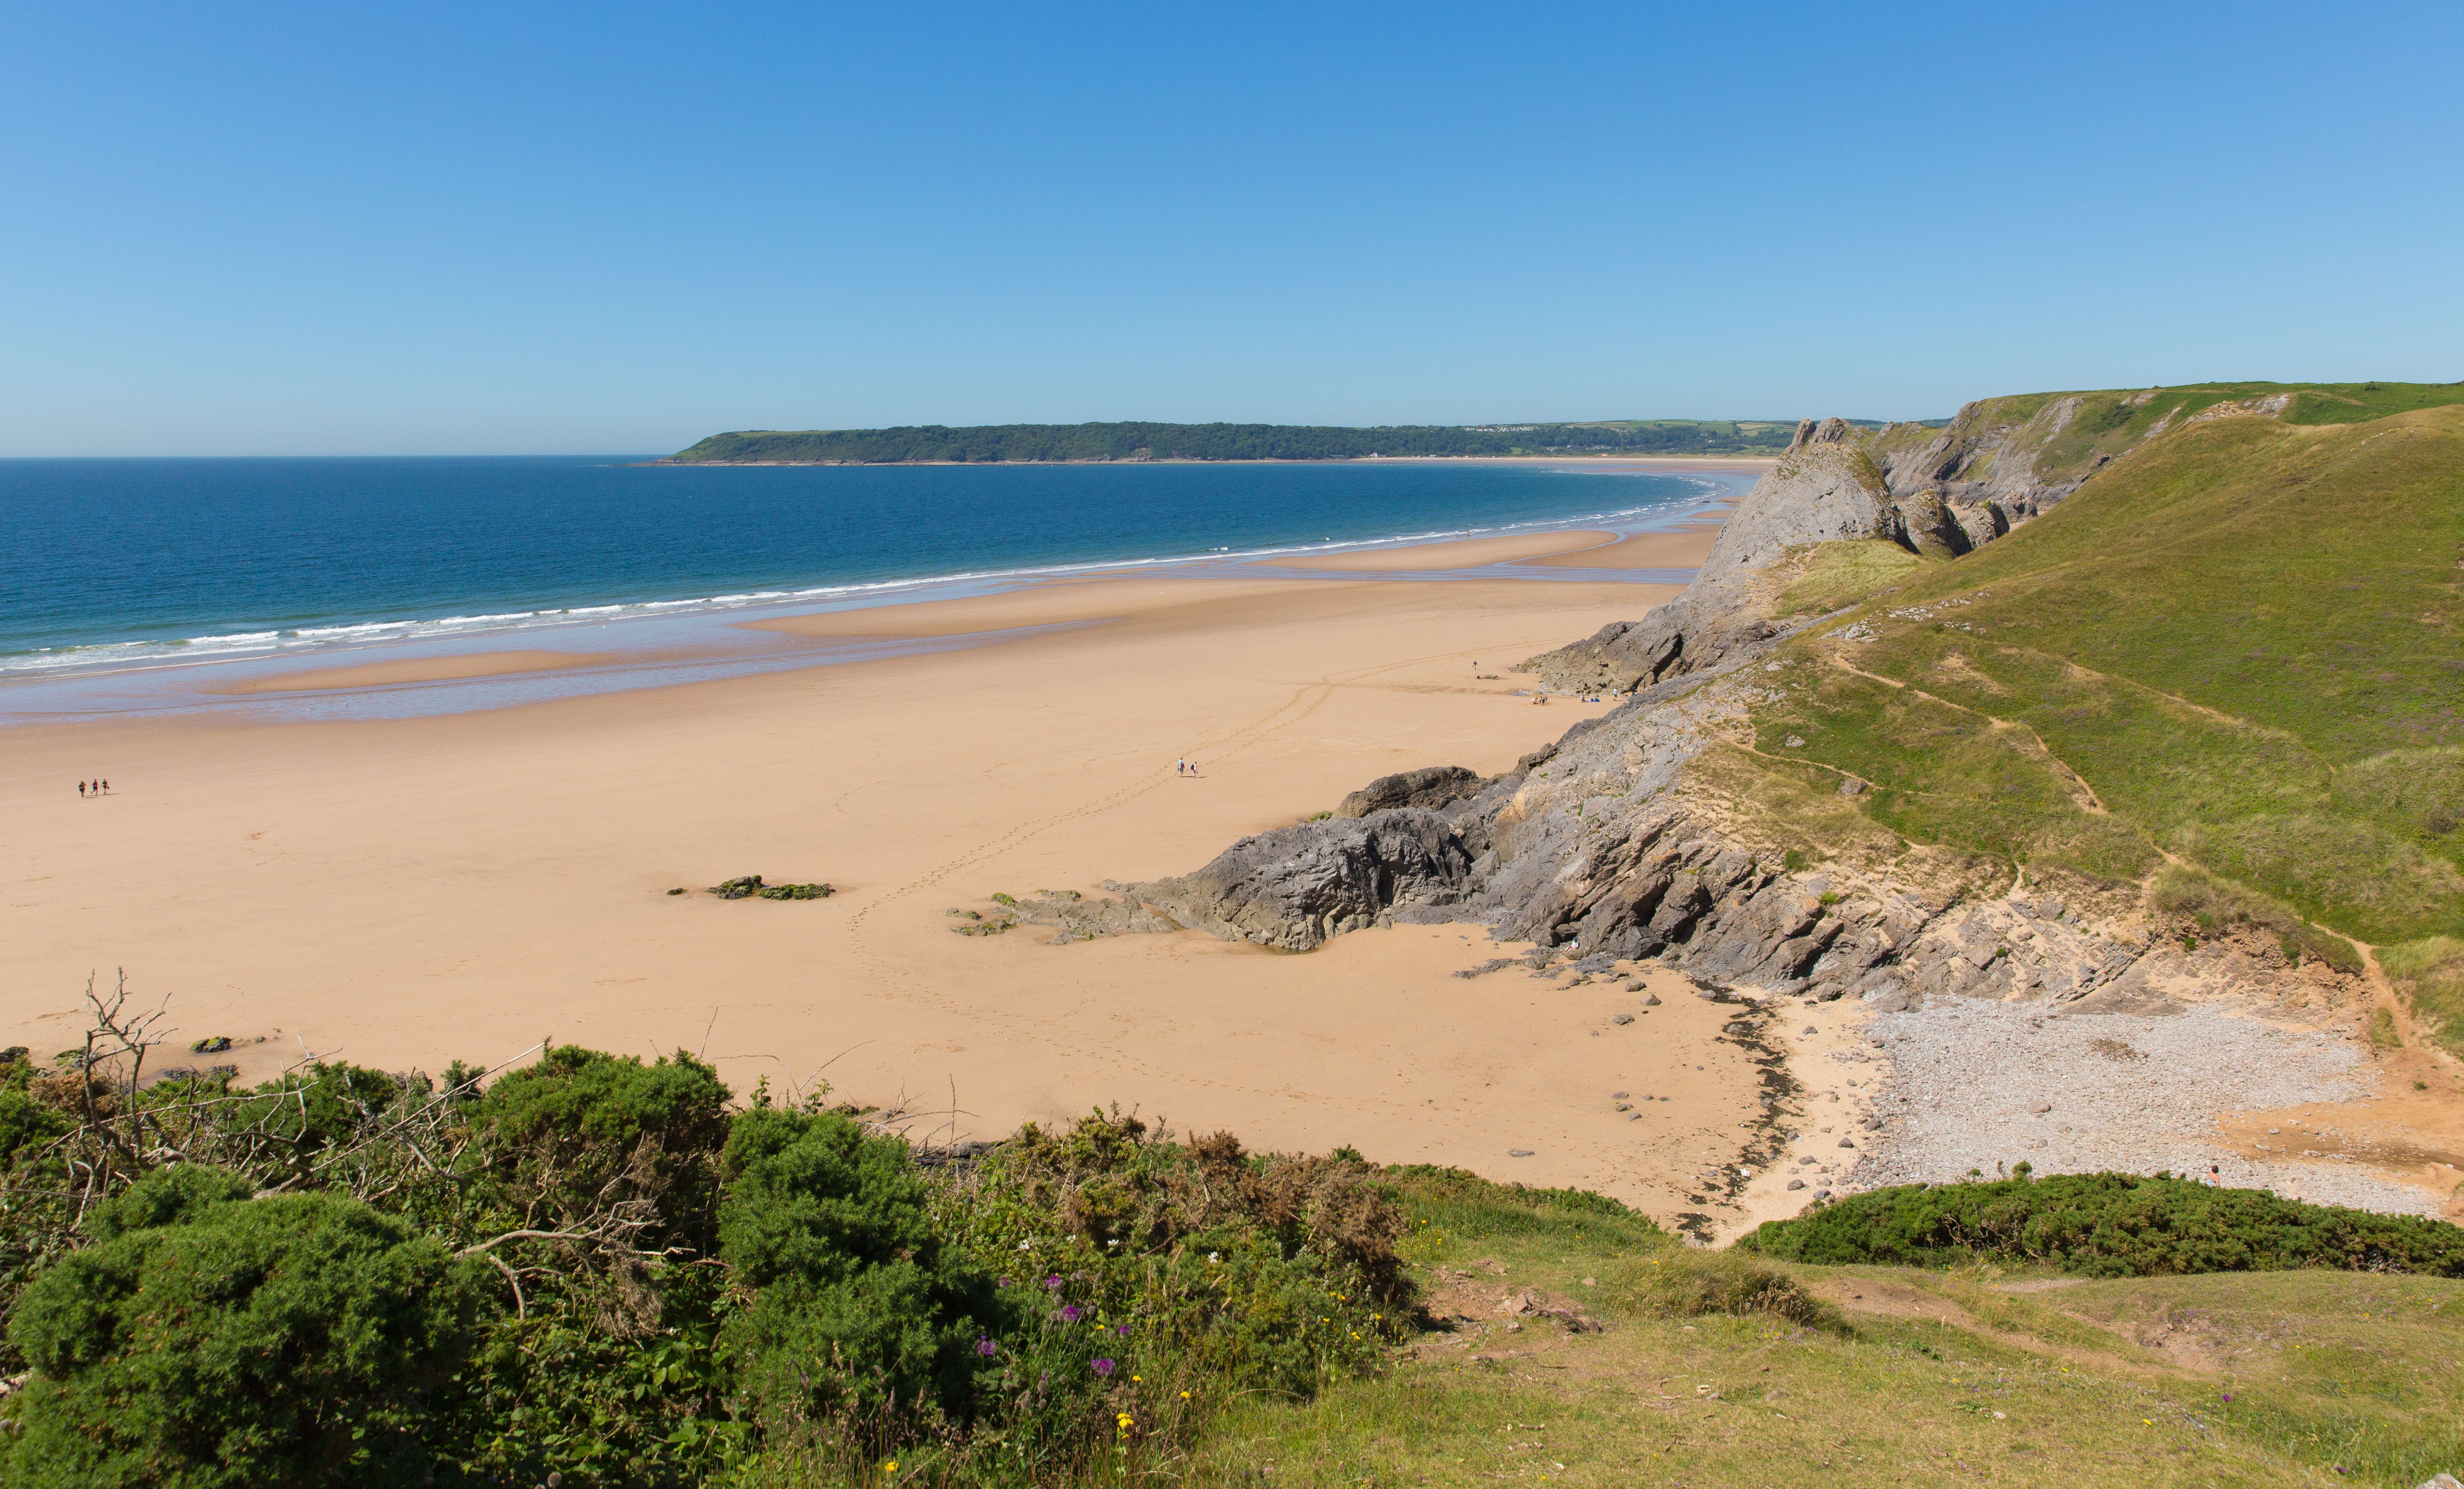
<point>93,787</point>
<point>1183,767</point>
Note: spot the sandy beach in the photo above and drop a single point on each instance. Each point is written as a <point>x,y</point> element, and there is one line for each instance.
<point>406,892</point>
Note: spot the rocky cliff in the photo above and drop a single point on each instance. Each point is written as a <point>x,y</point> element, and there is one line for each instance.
<point>1987,789</point>
<point>1935,493</point>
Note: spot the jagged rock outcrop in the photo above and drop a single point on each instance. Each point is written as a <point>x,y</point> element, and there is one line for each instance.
<point>1428,788</point>
<point>1296,886</point>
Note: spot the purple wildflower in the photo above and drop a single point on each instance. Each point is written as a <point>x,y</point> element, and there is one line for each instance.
<point>1053,1282</point>
<point>1123,1331</point>
<point>1103,1366</point>
<point>1072,1313</point>
<point>986,1347</point>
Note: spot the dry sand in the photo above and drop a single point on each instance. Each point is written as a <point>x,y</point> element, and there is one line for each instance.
<point>425,669</point>
<point>403,893</point>
<point>1460,554</point>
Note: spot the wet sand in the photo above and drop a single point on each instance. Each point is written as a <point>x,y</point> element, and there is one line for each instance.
<point>1685,548</point>
<point>1461,553</point>
<point>425,669</point>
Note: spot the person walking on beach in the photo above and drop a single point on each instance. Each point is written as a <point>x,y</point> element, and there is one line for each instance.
<point>80,788</point>
<point>1180,767</point>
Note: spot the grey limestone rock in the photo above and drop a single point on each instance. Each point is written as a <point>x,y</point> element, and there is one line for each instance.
<point>1296,886</point>
<point>1429,789</point>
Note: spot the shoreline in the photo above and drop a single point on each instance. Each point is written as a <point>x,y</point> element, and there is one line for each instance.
<point>400,893</point>
<point>623,636</point>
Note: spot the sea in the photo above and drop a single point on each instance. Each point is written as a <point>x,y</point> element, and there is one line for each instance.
<point>114,568</point>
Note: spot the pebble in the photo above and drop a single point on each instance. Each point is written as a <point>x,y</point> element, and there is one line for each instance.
<point>1518,1152</point>
<point>1623,1018</point>
<point>1965,1077</point>
<point>1796,1183</point>
<point>1810,1029</point>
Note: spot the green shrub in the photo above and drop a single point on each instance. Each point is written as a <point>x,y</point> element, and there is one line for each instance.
<point>214,1340</point>
<point>1684,1283</point>
<point>580,1133</point>
<point>856,1301</point>
<point>1271,1273</point>
<point>2109,1225</point>
<point>26,1123</point>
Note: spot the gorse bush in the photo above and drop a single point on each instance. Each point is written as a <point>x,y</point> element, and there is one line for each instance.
<point>2109,1225</point>
<point>855,1299</point>
<point>598,1267</point>
<point>1267,1273</point>
<point>582,1136</point>
<point>212,1340</point>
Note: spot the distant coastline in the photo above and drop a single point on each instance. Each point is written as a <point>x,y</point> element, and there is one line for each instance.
<point>1708,462</point>
<point>1155,444</point>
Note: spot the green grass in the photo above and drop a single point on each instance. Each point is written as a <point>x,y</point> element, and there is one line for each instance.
<point>1938,1377</point>
<point>2240,645</point>
<point>2430,973</point>
<point>2110,421</point>
<point>1843,573</point>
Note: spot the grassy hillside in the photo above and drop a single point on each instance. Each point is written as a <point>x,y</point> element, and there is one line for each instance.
<point>1134,442</point>
<point>2239,648</point>
<point>1866,1374</point>
<point>2066,434</point>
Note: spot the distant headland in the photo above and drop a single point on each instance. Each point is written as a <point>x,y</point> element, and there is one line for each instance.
<point>1098,443</point>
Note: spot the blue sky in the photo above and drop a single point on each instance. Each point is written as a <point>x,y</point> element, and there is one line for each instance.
<point>320,228</point>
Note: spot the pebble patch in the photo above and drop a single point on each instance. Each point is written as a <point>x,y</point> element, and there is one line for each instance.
<point>1974,1084</point>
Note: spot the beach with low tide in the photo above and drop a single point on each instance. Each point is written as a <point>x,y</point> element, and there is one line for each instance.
<point>407,885</point>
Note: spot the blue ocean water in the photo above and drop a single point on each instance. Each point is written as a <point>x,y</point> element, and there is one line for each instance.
<point>121,562</point>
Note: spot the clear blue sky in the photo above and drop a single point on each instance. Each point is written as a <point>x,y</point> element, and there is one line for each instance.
<point>443,228</point>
